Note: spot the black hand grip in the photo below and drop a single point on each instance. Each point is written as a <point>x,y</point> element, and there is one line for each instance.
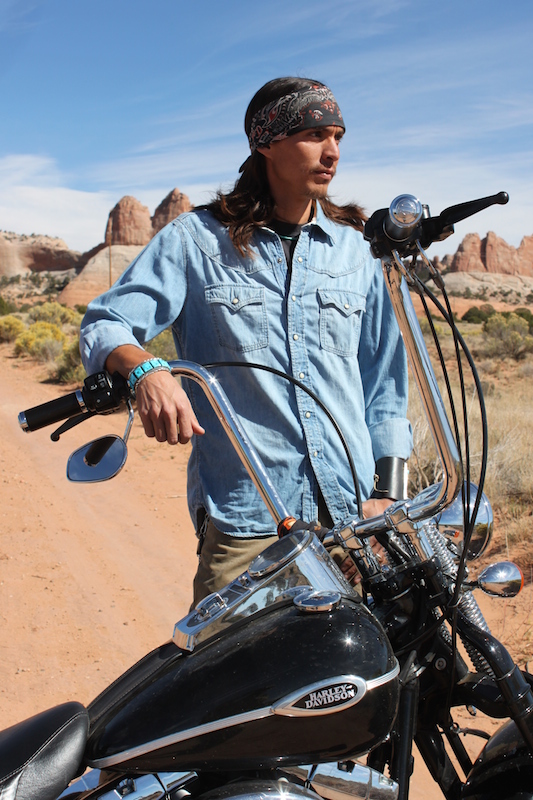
<point>54,411</point>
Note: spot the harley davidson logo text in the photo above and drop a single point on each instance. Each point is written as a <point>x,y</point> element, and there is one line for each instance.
<point>330,696</point>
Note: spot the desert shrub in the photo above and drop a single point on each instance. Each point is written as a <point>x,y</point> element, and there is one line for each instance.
<point>479,314</point>
<point>55,314</point>
<point>163,346</point>
<point>6,307</point>
<point>41,340</point>
<point>507,336</point>
<point>526,314</point>
<point>10,328</point>
<point>68,367</point>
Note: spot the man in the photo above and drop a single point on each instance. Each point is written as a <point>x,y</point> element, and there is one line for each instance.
<point>273,273</point>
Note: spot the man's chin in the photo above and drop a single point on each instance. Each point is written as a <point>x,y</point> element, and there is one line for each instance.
<point>319,192</point>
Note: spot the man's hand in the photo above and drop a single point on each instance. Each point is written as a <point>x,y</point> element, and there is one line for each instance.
<point>163,406</point>
<point>371,508</point>
<point>165,410</point>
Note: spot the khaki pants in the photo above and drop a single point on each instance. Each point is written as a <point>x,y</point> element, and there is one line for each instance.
<point>223,558</point>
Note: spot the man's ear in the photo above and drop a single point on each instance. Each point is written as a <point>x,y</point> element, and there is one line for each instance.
<point>265,151</point>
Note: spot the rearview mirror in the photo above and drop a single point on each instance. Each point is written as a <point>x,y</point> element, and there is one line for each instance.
<point>99,460</point>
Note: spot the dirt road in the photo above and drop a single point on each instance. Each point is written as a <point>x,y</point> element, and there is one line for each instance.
<point>91,577</point>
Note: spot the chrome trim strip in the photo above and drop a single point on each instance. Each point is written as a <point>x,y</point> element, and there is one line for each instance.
<point>388,676</point>
<point>23,422</point>
<point>220,724</point>
<point>81,402</point>
<point>181,736</point>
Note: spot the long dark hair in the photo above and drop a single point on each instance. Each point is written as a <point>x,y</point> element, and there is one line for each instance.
<point>250,205</point>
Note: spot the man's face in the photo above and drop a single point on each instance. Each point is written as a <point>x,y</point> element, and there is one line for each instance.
<point>302,166</point>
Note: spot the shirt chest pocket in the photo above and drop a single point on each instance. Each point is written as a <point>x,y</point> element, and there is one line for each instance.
<point>340,320</point>
<point>239,316</point>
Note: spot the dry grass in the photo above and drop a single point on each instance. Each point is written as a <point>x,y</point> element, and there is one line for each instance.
<point>506,387</point>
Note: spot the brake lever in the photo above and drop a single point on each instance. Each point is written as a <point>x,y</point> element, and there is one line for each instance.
<point>71,423</point>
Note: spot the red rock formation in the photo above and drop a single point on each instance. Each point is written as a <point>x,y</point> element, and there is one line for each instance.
<point>174,204</point>
<point>129,223</point>
<point>468,255</point>
<point>525,256</point>
<point>493,254</point>
<point>20,254</point>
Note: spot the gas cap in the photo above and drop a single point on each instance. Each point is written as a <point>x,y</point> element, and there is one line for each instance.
<point>317,600</point>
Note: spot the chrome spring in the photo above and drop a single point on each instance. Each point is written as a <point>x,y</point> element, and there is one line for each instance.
<point>467,602</point>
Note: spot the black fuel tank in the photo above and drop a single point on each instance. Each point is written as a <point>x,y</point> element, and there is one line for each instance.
<point>287,687</point>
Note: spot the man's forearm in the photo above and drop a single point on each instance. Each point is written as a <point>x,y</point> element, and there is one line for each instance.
<point>125,358</point>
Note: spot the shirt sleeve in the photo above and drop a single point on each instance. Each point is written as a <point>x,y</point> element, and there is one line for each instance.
<point>384,373</point>
<point>139,305</point>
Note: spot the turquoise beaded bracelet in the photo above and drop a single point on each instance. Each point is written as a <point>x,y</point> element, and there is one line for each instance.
<point>138,373</point>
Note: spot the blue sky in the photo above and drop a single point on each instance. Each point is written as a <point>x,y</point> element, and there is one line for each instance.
<point>106,98</point>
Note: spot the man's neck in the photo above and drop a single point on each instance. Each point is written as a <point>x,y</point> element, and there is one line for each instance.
<point>296,214</point>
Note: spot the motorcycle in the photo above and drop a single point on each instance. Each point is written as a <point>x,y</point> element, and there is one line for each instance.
<point>288,683</point>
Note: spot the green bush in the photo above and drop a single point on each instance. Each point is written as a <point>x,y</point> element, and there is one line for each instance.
<point>479,314</point>
<point>6,307</point>
<point>42,340</point>
<point>507,336</point>
<point>10,328</point>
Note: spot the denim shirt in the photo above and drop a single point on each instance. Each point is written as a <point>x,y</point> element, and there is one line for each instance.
<point>327,321</point>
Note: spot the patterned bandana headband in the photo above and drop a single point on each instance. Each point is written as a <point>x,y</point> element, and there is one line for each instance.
<point>311,108</point>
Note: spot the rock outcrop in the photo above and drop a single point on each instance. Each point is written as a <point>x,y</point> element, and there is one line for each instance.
<point>493,255</point>
<point>129,223</point>
<point>20,254</point>
<point>98,274</point>
<point>174,204</point>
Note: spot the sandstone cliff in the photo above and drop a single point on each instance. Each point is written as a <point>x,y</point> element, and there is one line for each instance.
<point>98,274</point>
<point>174,204</point>
<point>129,223</point>
<point>22,254</point>
<point>493,255</point>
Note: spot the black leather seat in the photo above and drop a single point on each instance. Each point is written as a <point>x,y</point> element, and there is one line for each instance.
<point>40,756</point>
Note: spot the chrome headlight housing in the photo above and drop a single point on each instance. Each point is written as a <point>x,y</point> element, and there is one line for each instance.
<point>450,523</point>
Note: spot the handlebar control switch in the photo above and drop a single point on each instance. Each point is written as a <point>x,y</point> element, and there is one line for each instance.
<point>103,392</point>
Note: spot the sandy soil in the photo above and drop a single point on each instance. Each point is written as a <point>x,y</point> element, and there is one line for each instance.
<point>93,577</point>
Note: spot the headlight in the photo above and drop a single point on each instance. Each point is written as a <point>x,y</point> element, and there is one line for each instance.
<point>451,523</point>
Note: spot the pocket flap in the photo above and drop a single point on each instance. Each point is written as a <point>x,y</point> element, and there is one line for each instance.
<point>234,297</point>
<point>346,302</point>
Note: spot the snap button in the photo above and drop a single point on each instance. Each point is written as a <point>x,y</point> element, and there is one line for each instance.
<point>307,414</point>
<point>235,301</point>
<point>346,306</point>
<point>301,374</point>
<point>295,337</point>
<point>293,297</point>
<point>300,259</point>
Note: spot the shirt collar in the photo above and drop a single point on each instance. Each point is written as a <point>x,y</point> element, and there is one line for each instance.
<point>324,223</point>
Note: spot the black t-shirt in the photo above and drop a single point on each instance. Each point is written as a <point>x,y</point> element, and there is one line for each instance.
<point>288,233</point>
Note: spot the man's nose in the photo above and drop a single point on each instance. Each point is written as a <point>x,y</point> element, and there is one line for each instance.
<point>331,149</point>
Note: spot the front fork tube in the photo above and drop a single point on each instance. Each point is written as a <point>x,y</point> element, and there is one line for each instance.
<point>431,747</point>
<point>401,767</point>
